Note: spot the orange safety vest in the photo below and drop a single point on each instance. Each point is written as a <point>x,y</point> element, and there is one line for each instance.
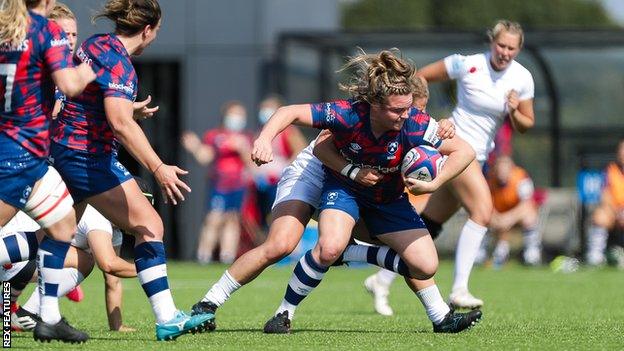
<point>615,184</point>
<point>505,197</point>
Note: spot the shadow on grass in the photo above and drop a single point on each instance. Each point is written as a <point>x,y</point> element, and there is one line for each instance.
<point>328,330</point>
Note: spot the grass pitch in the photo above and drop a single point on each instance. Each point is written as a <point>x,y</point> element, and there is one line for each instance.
<point>524,309</point>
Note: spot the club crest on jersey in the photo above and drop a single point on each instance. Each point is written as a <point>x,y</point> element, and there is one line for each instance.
<point>26,194</point>
<point>392,149</point>
<point>331,197</point>
<point>355,147</point>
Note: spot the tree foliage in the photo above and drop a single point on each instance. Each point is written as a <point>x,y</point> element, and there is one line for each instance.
<point>471,14</point>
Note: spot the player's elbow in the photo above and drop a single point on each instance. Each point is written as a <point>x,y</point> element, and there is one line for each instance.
<point>69,87</point>
<point>106,267</point>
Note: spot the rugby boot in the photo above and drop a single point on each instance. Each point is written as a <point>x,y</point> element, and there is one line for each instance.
<point>22,320</point>
<point>278,324</point>
<point>180,324</point>
<point>206,307</point>
<point>60,331</point>
<point>456,322</point>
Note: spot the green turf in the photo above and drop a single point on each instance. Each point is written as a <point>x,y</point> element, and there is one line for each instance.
<point>525,309</point>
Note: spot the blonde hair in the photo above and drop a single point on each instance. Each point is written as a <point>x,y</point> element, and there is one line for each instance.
<point>379,76</point>
<point>507,26</point>
<point>61,11</point>
<point>421,88</point>
<point>131,16</point>
<point>15,19</point>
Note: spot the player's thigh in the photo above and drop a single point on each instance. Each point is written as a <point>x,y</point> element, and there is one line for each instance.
<point>7,212</point>
<point>415,246</point>
<point>442,204</point>
<point>127,207</point>
<point>289,221</point>
<point>473,192</point>
<point>335,228</point>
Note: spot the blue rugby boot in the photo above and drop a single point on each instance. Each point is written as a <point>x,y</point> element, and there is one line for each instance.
<point>182,323</point>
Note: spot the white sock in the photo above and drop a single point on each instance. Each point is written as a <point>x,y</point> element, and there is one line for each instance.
<point>597,241</point>
<point>385,277</point>
<point>32,305</point>
<point>532,239</point>
<point>434,305</point>
<point>355,253</point>
<point>501,252</point>
<point>467,248</point>
<point>286,306</point>
<point>222,290</point>
<point>72,278</point>
<point>163,306</point>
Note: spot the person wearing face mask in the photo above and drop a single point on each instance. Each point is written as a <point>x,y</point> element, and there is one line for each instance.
<point>224,149</point>
<point>286,145</point>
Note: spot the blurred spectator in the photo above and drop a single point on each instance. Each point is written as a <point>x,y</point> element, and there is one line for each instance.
<point>514,205</point>
<point>609,216</point>
<point>227,150</point>
<point>285,147</point>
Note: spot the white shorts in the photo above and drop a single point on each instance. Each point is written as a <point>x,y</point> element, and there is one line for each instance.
<point>91,220</point>
<point>8,271</point>
<point>302,180</point>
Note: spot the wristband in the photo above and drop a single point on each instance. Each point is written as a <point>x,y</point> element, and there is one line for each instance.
<point>345,171</point>
<point>353,172</point>
<point>155,169</point>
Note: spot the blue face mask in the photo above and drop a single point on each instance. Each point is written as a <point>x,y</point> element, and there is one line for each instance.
<point>235,123</point>
<point>265,114</point>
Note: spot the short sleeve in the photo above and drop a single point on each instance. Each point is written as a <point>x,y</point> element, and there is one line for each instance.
<point>528,88</point>
<point>455,66</point>
<point>334,115</point>
<point>56,50</point>
<point>118,81</point>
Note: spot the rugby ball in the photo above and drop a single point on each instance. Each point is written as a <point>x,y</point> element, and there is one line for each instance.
<point>422,163</point>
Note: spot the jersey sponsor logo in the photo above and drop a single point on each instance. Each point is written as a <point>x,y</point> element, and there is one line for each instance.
<point>355,147</point>
<point>121,168</point>
<point>23,46</point>
<point>84,57</point>
<point>59,42</point>
<point>128,89</point>
<point>431,134</point>
<point>472,69</point>
<point>384,170</point>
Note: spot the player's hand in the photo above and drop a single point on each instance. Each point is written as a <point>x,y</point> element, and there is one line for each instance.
<point>368,176</point>
<point>142,111</point>
<point>190,141</point>
<point>170,184</point>
<point>419,187</point>
<point>512,101</point>
<point>446,129</point>
<point>262,151</point>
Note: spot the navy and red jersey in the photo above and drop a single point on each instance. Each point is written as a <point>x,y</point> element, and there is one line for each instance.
<point>228,170</point>
<point>26,86</point>
<point>82,124</point>
<point>349,121</point>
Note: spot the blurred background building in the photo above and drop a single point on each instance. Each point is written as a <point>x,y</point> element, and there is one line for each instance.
<point>209,52</point>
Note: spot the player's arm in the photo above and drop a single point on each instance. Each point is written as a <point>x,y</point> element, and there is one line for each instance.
<point>434,72</point>
<point>326,151</point>
<point>459,155</point>
<point>521,113</point>
<point>114,295</point>
<point>72,81</point>
<point>105,256</point>
<point>119,113</point>
<point>284,116</point>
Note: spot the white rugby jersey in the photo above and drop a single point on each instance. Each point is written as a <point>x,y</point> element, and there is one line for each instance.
<point>481,97</point>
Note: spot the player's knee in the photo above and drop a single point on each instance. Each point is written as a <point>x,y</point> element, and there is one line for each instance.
<point>329,254</point>
<point>276,250</point>
<point>481,214</point>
